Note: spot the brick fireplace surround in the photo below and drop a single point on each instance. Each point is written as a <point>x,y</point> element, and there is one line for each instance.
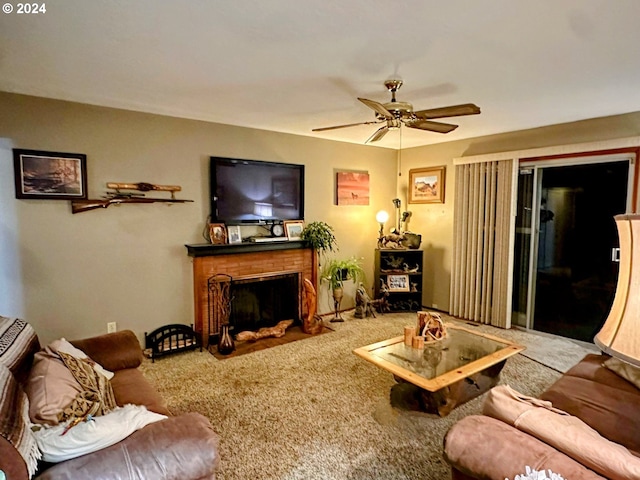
<point>243,261</point>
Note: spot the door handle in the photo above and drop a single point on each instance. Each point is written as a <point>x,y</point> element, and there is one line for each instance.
<point>615,254</point>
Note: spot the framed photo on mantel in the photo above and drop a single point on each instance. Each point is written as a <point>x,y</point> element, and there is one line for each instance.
<point>234,234</point>
<point>217,233</point>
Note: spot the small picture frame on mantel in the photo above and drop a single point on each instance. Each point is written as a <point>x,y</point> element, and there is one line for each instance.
<point>293,229</point>
<point>234,234</point>
<point>218,233</point>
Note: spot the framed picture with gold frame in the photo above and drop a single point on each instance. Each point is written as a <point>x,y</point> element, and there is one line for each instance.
<point>293,229</point>
<point>218,233</point>
<point>426,185</point>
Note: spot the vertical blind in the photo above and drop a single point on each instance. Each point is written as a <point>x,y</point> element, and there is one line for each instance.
<point>482,223</point>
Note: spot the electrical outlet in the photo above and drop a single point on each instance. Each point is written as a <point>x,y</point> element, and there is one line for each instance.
<point>434,305</point>
<point>111,327</point>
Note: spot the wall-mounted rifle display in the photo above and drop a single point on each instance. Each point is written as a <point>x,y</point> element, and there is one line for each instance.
<point>128,193</point>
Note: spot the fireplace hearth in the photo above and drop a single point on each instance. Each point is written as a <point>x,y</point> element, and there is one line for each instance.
<point>266,279</point>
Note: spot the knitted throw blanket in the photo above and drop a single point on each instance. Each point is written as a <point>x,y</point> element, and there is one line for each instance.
<point>96,397</point>
<point>14,420</point>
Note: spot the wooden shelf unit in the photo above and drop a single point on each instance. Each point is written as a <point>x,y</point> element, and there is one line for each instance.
<point>398,262</point>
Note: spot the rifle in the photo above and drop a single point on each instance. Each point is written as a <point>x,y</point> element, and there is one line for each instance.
<point>117,197</point>
<point>78,206</point>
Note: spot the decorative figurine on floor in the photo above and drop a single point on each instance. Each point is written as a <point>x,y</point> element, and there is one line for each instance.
<point>382,304</point>
<point>364,306</point>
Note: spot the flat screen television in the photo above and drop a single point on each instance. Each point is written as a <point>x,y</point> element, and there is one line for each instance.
<point>255,192</point>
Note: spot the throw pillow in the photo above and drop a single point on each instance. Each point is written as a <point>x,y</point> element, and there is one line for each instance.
<point>62,345</point>
<point>93,435</point>
<point>96,397</point>
<point>14,420</point>
<point>625,370</point>
<point>50,388</point>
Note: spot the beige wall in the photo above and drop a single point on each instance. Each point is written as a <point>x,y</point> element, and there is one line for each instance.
<point>71,274</point>
<point>435,221</point>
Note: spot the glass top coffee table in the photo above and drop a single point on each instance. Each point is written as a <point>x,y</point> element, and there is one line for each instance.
<point>449,372</point>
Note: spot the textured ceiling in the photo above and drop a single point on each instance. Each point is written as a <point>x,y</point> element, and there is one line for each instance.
<point>293,65</point>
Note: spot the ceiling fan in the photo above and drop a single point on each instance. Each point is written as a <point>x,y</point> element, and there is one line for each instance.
<point>394,114</point>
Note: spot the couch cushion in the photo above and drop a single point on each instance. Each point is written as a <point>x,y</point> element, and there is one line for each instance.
<point>611,411</point>
<point>484,447</point>
<point>114,351</point>
<point>564,432</point>
<point>591,368</point>
<point>130,386</point>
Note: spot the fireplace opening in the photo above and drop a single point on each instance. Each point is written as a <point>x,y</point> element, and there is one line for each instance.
<point>263,301</point>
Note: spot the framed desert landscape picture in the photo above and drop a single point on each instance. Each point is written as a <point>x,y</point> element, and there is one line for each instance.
<point>426,185</point>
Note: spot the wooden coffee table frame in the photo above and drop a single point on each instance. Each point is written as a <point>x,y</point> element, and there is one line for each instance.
<point>444,392</point>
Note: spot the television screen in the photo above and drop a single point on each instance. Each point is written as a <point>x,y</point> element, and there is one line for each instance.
<point>250,191</point>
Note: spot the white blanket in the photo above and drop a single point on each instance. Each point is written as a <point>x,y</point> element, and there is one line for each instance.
<point>99,433</point>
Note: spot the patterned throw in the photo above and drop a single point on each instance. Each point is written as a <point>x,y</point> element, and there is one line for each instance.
<point>96,397</point>
<point>18,341</point>
<point>14,419</point>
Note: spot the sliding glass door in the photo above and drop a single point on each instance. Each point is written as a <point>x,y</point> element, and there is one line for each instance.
<point>565,268</point>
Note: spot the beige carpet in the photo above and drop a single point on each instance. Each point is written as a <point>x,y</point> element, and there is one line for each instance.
<point>311,409</point>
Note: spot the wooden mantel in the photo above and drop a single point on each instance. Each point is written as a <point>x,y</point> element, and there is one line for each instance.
<point>242,260</point>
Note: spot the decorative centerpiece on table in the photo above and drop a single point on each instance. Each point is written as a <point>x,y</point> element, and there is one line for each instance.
<point>429,330</point>
<point>431,327</point>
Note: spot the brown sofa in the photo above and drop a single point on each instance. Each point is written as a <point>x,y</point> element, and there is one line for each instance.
<point>482,447</point>
<point>179,447</point>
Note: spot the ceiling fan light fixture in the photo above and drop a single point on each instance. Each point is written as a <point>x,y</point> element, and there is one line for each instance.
<point>395,113</point>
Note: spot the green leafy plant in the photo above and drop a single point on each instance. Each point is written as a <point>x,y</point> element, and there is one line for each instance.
<point>320,237</point>
<point>337,271</point>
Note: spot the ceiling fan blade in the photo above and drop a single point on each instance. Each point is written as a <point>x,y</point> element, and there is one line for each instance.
<point>378,134</point>
<point>438,127</point>
<point>342,126</point>
<point>452,111</point>
<point>378,107</point>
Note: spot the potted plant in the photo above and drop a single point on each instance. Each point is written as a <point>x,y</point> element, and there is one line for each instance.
<point>320,237</point>
<point>336,272</point>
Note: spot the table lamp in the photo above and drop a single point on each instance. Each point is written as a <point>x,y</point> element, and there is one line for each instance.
<point>381,218</point>
<point>620,334</point>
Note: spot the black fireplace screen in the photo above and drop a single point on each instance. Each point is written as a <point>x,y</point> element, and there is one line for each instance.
<point>252,303</point>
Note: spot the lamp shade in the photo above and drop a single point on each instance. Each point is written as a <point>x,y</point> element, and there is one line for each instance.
<point>620,334</point>
<point>382,216</point>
